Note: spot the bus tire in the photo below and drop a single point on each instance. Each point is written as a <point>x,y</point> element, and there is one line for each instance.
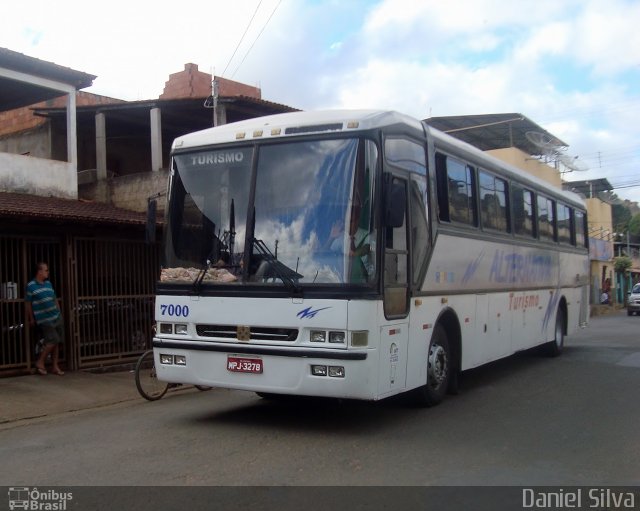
<point>439,367</point>
<point>555,347</point>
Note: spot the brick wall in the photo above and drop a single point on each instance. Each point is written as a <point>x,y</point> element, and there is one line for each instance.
<point>22,119</point>
<point>193,83</point>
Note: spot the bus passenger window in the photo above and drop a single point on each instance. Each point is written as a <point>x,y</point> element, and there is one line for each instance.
<point>493,202</point>
<point>581,239</point>
<point>564,224</point>
<point>546,219</point>
<point>522,200</point>
<point>461,197</point>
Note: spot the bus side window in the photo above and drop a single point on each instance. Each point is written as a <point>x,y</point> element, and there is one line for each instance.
<point>546,219</point>
<point>456,191</point>
<point>564,224</point>
<point>493,202</point>
<point>581,239</point>
<point>523,219</point>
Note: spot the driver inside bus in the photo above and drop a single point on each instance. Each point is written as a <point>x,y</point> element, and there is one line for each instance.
<point>358,239</point>
<point>359,247</point>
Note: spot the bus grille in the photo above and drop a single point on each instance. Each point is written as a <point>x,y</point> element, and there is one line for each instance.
<point>257,333</point>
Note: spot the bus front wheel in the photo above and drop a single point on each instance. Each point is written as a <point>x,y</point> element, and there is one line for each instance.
<point>438,370</point>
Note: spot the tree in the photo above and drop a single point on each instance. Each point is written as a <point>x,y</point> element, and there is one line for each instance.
<point>621,217</point>
<point>622,264</point>
<point>634,225</point>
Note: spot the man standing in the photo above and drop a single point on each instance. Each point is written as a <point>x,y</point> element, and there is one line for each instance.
<point>43,311</point>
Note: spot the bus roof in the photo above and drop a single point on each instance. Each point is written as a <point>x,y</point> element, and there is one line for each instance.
<point>295,123</point>
<point>326,121</point>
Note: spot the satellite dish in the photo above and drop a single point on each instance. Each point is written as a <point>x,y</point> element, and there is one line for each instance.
<point>580,165</point>
<point>544,142</point>
<point>567,163</point>
<point>571,164</point>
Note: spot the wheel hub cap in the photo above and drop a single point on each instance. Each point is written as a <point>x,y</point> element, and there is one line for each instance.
<point>437,365</point>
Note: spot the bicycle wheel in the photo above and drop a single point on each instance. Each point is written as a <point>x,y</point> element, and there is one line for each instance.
<point>147,382</point>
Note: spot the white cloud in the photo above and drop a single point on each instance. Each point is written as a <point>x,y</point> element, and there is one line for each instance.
<point>571,66</point>
<point>607,36</point>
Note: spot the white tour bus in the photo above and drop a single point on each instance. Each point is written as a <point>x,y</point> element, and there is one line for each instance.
<point>358,254</point>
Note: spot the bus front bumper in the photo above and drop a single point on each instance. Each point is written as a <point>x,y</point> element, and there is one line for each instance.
<point>344,374</point>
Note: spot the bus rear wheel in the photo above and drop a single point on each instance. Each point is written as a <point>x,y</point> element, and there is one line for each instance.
<point>438,370</point>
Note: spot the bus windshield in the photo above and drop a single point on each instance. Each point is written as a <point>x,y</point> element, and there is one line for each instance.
<point>309,219</point>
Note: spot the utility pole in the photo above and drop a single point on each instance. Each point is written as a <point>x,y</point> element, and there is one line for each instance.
<point>214,94</point>
<point>629,255</point>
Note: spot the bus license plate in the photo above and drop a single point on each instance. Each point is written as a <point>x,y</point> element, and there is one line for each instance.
<point>244,365</point>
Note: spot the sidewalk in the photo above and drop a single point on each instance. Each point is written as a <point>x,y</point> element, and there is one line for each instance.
<point>28,397</point>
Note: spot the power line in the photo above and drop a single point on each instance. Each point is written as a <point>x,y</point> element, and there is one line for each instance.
<point>619,158</point>
<point>601,155</point>
<point>242,38</point>
<point>256,39</point>
<point>626,186</point>
<point>623,105</point>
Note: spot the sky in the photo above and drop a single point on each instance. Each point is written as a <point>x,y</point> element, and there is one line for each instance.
<point>571,66</point>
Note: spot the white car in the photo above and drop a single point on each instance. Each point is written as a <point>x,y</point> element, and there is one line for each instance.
<point>633,303</point>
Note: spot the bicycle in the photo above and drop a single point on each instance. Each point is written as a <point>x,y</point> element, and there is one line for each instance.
<point>147,381</point>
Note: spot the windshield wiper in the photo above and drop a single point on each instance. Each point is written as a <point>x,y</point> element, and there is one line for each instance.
<point>277,269</point>
<point>271,267</point>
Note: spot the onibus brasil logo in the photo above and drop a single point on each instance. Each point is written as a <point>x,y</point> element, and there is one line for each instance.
<point>21,497</point>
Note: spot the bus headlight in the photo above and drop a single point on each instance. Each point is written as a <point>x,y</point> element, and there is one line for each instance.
<point>318,336</point>
<point>166,328</point>
<point>181,329</point>
<point>331,371</point>
<point>166,359</point>
<point>180,360</point>
<point>336,371</point>
<point>337,337</point>
<point>317,370</point>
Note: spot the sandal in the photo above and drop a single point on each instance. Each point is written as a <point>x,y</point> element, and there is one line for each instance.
<point>59,372</point>
<point>41,370</point>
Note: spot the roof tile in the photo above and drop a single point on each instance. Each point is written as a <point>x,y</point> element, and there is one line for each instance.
<point>20,205</point>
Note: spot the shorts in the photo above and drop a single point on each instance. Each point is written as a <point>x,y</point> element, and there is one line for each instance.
<point>53,333</point>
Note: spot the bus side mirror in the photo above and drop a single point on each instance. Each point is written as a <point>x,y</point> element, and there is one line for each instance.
<point>395,205</point>
<point>150,232</point>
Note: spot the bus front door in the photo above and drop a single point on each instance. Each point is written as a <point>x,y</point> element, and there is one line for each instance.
<point>394,334</point>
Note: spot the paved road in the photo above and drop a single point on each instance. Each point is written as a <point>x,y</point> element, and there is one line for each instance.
<point>526,420</point>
